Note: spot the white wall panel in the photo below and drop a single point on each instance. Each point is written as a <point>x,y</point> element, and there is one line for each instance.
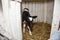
<point>12,20</point>
<point>50,7</point>
<point>56,20</point>
<point>15,19</point>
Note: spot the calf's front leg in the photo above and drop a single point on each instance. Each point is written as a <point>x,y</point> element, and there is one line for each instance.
<point>29,30</point>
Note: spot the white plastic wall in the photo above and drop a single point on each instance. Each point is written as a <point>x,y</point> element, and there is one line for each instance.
<point>15,20</point>
<point>12,19</point>
<point>56,19</point>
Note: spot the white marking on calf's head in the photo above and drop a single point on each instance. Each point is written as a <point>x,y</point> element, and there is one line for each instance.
<point>25,10</point>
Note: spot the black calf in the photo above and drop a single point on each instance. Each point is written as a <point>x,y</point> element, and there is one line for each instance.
<point>27,20</point>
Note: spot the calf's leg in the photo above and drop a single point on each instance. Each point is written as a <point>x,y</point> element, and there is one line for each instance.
<point>30,28</point>
<point>30,32</point>
<point>24,25</point>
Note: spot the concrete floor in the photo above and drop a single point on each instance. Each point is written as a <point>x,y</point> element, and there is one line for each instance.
<point>41,31</point>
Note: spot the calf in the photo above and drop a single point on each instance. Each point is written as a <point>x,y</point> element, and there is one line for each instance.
<point>27,20</point>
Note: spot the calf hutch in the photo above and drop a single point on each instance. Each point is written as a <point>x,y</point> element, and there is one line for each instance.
<point>29,19</point>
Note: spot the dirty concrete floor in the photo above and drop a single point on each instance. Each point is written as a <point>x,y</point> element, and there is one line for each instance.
<point>41,31</point>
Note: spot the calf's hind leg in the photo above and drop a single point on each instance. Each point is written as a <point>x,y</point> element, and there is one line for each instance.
<point>24,25</point>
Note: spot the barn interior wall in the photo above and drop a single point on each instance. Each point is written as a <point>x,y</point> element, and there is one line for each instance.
<point>44,11</point>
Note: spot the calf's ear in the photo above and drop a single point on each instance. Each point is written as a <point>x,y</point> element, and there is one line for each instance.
<point>34,17</point>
